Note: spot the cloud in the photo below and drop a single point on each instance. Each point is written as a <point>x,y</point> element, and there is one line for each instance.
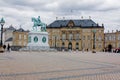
<point>19,12</point>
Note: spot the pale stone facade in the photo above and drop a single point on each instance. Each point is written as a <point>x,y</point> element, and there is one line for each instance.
<point>8,35</point>
<point>76,35</point>
<point>20,38</point>
<point>113,39</point>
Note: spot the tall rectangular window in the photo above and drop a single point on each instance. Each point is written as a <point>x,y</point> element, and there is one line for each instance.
<point>88,37</point>
<point>83,37</point>
<point>119,37</point>
<point>53,37</point>
<point>114,37</point>
<point>25,37</point>
<point>106,38</point>
<point>77,36</point>
<point>118,45</point>
<point>20,36</point>
<point>63,36</point>
<point>110,37</point>
<point>70,36</point>
<point>100,38</point>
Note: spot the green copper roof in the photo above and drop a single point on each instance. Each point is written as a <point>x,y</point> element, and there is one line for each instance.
<point>2,21</point>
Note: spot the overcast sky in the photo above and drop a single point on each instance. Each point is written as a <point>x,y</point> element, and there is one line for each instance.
<point>20,12</point>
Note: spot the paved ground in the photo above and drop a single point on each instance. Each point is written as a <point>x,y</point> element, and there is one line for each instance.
<point>59,66</point>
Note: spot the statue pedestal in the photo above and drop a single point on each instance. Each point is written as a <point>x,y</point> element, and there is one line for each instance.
<point>38,38</point>
<point>37,41</point>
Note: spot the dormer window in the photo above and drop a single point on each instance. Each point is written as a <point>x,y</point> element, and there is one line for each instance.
<point>70,24</point>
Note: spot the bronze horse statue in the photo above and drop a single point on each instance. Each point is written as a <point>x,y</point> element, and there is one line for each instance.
<point>38,23</point>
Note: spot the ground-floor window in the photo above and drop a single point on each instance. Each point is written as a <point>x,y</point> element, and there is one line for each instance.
<point>70,46</point>
<point>77,46</point>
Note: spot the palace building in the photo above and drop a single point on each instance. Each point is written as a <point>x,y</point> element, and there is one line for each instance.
<point>20,39</point>
<point>8,35</point>
<point>113,39</point>
<point>81,34</point>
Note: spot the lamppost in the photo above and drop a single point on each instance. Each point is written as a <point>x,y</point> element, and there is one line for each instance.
<point>2,22</point>
<point>94,31</point>
<point>55,42</point>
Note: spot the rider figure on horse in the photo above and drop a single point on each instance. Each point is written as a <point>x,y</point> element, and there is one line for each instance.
<point>38,23</point>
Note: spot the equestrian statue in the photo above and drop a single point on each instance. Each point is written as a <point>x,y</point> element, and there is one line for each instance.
<point>38,25</point>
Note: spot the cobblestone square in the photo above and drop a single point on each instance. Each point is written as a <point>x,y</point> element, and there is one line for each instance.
<point>59,66</point>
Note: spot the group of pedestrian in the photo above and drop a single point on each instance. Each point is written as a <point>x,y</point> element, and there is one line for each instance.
<point>8,47</point>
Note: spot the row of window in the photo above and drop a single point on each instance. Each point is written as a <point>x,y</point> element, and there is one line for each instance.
<point>22,36</point>
<point>84,30</point>
<point>77,37</point>
<point>112,37</point>
<point>87,30</point>
<point>22,40</point>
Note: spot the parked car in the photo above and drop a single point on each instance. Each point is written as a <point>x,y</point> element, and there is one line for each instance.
<point>117,50</point>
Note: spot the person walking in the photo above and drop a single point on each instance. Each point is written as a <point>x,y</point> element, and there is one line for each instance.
<point>8,47</point>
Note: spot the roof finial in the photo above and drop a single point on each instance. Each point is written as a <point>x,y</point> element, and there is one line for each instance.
<point>81,17</point>
<point>89,17</point>
<point>20,26</point>
<point>56,18</point>
<point>102,25</point>
<point>63,18</point>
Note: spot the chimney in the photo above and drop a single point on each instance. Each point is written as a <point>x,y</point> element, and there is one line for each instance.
<point>89,17</point>
<point>56,18</point>
<point>63,18</point>
<point>81,17</point>
<point>102,25</point>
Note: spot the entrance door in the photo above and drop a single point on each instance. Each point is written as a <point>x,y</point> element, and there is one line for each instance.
<point>77,46</point>
<point>109,48</point>
<point>70,46</point>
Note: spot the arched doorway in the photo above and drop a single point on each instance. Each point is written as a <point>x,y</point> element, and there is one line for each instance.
<point>109,48</point>
<point>70,46</point>
<point>77,46</point>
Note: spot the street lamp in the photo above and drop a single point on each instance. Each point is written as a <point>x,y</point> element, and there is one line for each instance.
<point>55,42</point>
<point>2,22</point>
<point>94,31</point>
